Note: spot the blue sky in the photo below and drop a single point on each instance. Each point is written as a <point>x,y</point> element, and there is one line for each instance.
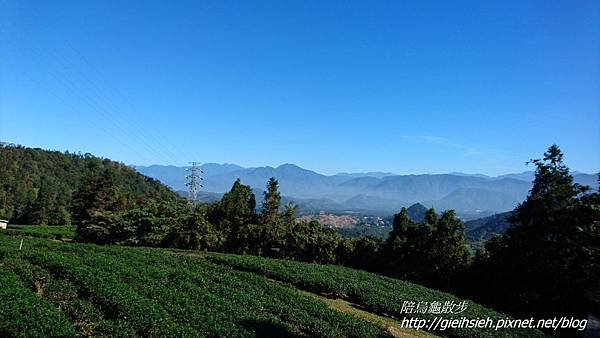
<point>406,87</point>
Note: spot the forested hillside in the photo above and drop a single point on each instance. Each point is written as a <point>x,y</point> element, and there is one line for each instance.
<point>39,186</point>
<point>482,229</point>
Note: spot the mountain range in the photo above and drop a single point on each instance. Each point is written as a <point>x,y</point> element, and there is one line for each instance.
<point>378,192</point>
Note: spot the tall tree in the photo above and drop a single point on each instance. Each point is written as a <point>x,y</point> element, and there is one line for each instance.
<point>289,215</point>
<point>397,257</point>
<point>98,193</point>
<point>448,250</point>
<point>41,207</point>
<point>544,263</point>
<point>270,212</point>
<point>96,199</point>
<point>235,210</point>
<point>402,222</point>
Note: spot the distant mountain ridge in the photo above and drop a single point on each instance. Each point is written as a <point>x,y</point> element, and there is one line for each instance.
<point>379,192</point>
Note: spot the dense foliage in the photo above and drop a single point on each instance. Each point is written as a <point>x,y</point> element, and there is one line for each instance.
<point>548,262</point>
<point>433,252</point>
<point>482,229</point>
<point>38,186</point>
<point>167,223</point>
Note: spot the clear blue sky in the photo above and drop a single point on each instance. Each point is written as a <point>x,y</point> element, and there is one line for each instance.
<point>406,87</point>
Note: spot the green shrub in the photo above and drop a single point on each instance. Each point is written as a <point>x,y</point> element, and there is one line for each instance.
<point>26,315</point>
<point>164,294</point>
<point>378,294</point>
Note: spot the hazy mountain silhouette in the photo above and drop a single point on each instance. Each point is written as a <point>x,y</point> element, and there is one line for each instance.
<point>371,191</point>
<point>416,212</point>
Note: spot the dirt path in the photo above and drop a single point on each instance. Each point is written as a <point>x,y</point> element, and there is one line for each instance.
<point>392,326</point>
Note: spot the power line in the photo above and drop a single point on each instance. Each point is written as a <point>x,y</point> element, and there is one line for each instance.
<point>155,134</point>
<point>152,134</point>
<point>92,94</point>
<point>78,112</point>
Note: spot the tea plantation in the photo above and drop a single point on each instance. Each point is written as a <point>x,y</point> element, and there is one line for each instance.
<point>378,294</point>
<point>58,232</point>
<point>53,288</point>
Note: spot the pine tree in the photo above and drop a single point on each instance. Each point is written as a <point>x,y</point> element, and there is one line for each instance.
<point>289,215</point>
<point>235,210</point>
<point>270,212</point>
<point>543,261</point>
<point>401,224</point>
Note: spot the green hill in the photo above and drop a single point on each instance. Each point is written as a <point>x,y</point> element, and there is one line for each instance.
<point>482,229</point>
<point>69,289</point>
<point>37,186</point>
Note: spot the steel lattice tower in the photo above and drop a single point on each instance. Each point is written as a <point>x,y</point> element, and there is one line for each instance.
<point>193,181</point>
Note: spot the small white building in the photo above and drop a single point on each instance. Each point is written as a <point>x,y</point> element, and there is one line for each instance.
<point>3,223</point>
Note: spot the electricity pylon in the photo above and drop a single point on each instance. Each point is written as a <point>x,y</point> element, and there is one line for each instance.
<point>193,181</point>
